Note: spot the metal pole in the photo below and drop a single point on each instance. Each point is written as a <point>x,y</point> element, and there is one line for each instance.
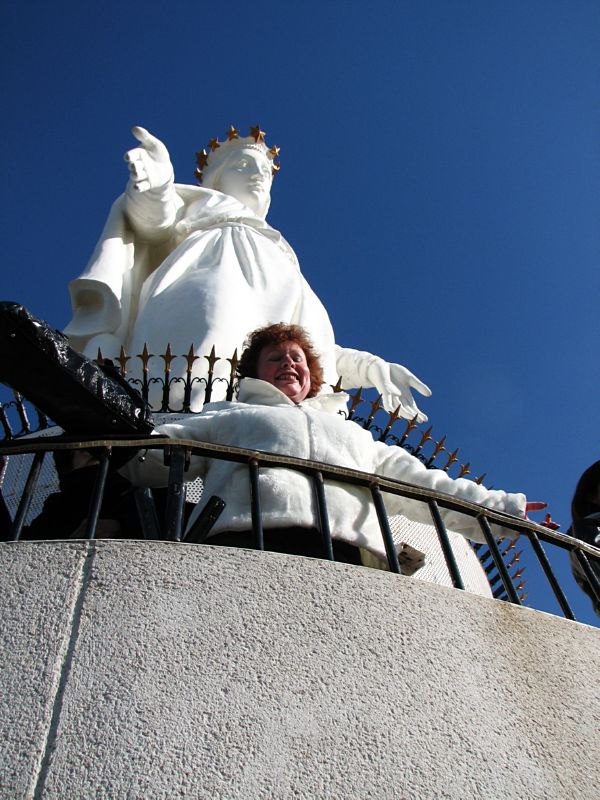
<point>175,493</point>
<point>589,572</point>
<point>384,526</point>
<point>97,495</point>
<point>543,559</point>
<point>447,550</point>
<point>323,517</point>
<point>257,528</point>
<point>26,497</point>
<point>500,565</point>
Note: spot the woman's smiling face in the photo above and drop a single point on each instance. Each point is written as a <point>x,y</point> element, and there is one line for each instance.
<point>284,365</point>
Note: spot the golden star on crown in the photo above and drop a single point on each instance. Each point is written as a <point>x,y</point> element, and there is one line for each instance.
<point>202,159</point>
<point>257,134</point>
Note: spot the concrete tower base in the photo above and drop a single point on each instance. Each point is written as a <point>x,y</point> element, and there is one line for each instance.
<point>149,669</point>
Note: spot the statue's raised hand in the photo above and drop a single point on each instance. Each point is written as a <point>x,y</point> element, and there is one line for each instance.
<point>395,383</point>
<point>149,165</point>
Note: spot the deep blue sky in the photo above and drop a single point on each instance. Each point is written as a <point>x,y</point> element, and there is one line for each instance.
<point>440,184</point>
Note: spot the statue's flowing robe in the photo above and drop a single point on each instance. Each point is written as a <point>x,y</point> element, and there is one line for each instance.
<point>223,273</point>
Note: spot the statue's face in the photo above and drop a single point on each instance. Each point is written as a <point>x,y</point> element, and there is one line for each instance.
<point>247,177</point>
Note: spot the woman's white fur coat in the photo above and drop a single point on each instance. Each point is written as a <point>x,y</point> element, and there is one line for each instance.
<point>263,418</point>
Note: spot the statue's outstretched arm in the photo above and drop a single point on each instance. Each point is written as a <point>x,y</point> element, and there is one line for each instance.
<point>104,294</point>
<point>151,202</point>
<point>394,382</point>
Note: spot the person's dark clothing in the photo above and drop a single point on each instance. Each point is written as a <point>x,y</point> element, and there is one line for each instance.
<point>294,541</point>
<point>588,530</point>
<point>64,512</point>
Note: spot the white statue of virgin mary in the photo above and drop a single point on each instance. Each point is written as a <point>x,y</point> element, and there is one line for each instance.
<point>200,266</point>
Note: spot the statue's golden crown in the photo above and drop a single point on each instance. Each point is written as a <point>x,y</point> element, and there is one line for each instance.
<point>215,151</point>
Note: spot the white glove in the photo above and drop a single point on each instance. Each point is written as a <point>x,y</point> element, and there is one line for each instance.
<point>149,165</point>
<point>393,381</point>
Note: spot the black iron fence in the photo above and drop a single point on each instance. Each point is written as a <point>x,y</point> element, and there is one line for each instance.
<point>171,526</point>
<point>163,378</point>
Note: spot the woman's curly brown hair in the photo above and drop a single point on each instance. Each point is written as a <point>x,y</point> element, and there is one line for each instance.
<point>276,334</point>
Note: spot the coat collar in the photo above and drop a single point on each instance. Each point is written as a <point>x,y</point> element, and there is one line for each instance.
<point>253,390</point>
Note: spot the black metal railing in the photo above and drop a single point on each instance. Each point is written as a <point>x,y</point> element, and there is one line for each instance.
<point>179,452</point>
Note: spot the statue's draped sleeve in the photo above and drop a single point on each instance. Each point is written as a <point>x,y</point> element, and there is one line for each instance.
<point>104,297</point>
<point>101,295</point>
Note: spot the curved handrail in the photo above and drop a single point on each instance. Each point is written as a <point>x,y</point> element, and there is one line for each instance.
<point>266,459</point>
<point>319,471</point>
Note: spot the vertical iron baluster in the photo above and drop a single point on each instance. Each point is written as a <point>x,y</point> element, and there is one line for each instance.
<point>494,580</point>
<point>257,528</point>
<point>439,448</point>
<point>97,495</point>
<point>42,420</point>
<point>26,497</point>
<point>22,412</point>
<point>232,375</point>
<point>412,423</point>
<point>447,550</point>
<point>498,560</point>
<point>355,400</point>
<point>384,526</point>
<point>8,431</point>
<point>123,358</point>
<point>589,572</point>
<point>145,357</point>
<point>168,358</point>
<point>487,562</point>
<point>187,392</point>
<point>543,559</point>
<point>146,509</point>
<point>452,457</point>
<point>375,406</point>
<point>175,457</point>
<point>425,437</point>
<point>392,417</point>
<point>212,360</point>
<point>323,517</point>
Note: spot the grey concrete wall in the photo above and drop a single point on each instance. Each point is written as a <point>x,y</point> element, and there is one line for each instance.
<point>156,670</point>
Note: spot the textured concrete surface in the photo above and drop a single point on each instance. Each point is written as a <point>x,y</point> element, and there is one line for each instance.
<point>153,670</point>
<point>38,594</point>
